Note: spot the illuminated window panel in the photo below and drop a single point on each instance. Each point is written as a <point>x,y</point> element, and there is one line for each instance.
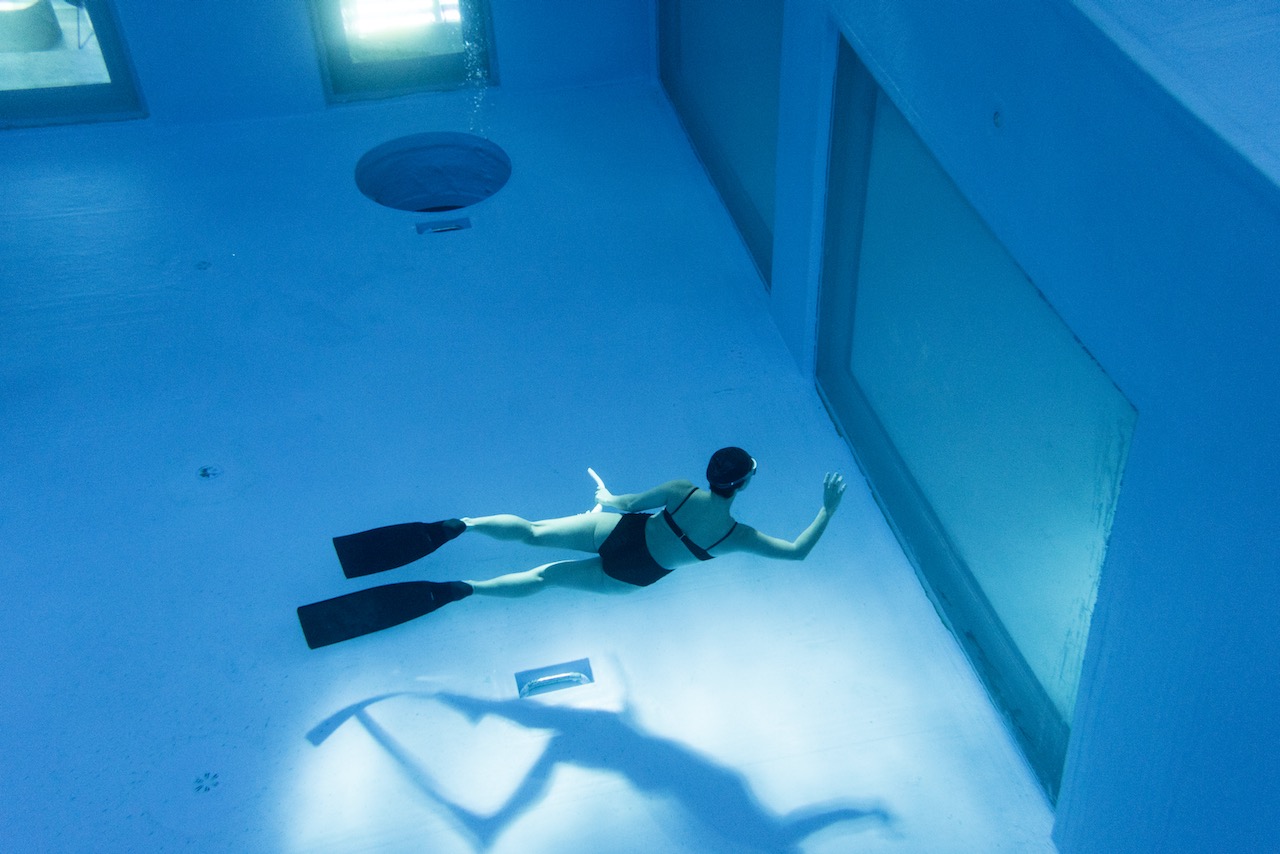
<point>63,61</point>
<point>376,48</point>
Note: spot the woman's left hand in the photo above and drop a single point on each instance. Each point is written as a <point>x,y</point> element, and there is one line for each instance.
<point>832,491</point>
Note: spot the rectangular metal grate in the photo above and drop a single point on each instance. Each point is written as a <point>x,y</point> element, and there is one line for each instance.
<point>554,677</point>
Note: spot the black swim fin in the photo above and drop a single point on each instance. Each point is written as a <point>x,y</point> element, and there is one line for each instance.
<point>386,548</point>
<point>375,609</point>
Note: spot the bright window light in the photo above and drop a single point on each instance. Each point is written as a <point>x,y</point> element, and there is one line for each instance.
<point>45,44</point>
<point>364,19</point>
<point>398,30</point>
<point>63,61</point>
<point>374,48</point>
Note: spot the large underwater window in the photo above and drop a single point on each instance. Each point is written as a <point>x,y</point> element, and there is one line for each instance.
<point>377,48</point>
<point>993,439</point>
<point>63,61</point>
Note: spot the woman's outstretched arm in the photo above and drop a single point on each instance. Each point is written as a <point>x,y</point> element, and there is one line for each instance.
<point>748,539</point>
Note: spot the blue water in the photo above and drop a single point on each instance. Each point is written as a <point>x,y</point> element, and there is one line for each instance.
<point>219,354</point>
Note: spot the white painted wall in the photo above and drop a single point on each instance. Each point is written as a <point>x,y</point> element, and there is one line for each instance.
<point>1221,59</point>
<point>1157,242</point>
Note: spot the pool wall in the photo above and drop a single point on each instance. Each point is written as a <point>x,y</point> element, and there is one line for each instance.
<point>1154,236</point>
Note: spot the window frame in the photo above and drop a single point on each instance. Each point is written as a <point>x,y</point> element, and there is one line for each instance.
<point>346,80</point>
<point>117,100</point>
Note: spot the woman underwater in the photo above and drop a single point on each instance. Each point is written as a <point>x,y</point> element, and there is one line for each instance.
<point>635,549</point>
<point>628,550</point>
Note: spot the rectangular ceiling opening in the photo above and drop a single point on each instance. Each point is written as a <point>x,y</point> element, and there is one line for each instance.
<point>378,48</point>
<point>63,61</point>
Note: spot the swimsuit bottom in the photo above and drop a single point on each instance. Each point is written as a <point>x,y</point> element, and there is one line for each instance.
<point>625,554</point>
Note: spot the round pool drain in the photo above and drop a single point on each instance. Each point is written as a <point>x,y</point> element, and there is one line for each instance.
<point>432,172</point>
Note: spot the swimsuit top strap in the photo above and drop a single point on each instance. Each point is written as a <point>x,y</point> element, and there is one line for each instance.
<point>696,550</point>
<point>732,528</point>
<point>683,500</point>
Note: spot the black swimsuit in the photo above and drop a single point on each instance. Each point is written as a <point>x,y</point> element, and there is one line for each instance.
<point>625,554</point>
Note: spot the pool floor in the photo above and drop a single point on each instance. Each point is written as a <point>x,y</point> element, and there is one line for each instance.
<point>219,355</point>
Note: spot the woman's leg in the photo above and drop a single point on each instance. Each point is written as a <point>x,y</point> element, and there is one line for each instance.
<point>584,532</point>
<point>586,574</point>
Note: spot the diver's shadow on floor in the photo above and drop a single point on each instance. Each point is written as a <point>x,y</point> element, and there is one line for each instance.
<point>717,798</point>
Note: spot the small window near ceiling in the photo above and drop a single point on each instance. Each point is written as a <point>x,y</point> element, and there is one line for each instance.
<point>63,61</point>
<point>377,48</point>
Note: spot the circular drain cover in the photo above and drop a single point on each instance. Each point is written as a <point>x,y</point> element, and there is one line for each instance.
<point>432,172</point>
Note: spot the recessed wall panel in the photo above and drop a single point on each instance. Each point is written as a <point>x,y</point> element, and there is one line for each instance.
<point>993,440</point>
<point>720,63</point>
<point>1015,435</point>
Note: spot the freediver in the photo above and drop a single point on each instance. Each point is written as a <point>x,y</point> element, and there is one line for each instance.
<point>634,548</point>
<point>628,550</point>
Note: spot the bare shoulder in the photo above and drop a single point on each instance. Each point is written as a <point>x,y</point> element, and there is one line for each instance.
<point>742,538</point>
<point>658,496</point>
<point>678,488</point>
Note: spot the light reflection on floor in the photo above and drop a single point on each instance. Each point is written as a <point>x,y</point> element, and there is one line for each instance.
<point>342,371</point>
<point>491,762</point>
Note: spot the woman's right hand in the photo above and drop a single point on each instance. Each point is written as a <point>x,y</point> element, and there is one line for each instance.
<point>832,491</point>
<point>604,498</point>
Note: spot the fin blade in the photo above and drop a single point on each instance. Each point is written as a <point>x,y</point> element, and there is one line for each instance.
<point>380,549</point>
<point>366,611</point>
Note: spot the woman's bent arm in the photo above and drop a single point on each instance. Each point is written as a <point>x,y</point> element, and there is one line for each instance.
<point>656,497</point>
<point>748,539</point>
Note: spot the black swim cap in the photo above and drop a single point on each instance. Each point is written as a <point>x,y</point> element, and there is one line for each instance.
<point>729,467</point>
